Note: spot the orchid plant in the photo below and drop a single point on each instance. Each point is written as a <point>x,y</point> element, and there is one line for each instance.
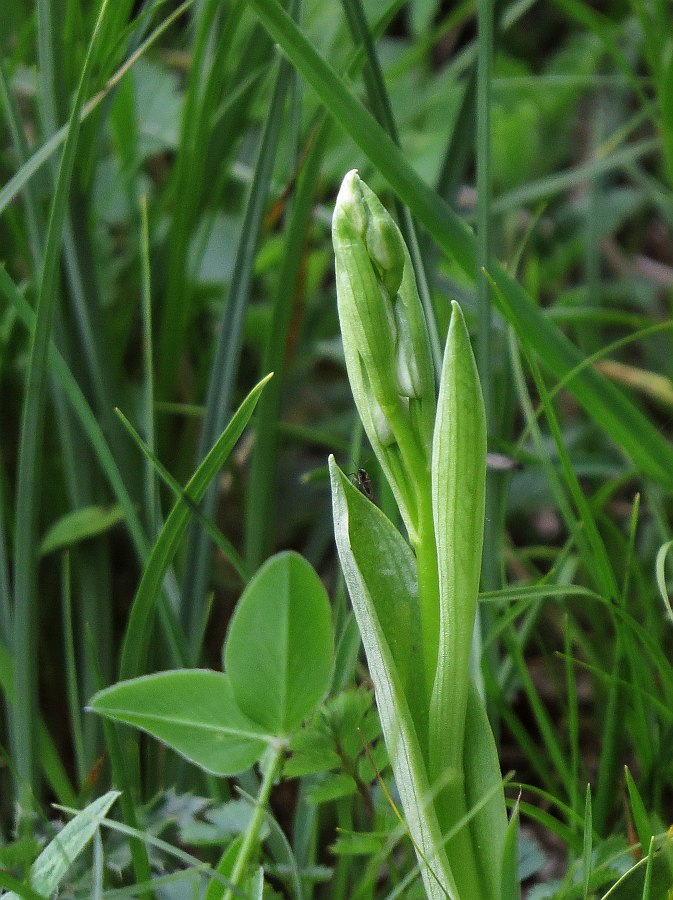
<point>415,599</point>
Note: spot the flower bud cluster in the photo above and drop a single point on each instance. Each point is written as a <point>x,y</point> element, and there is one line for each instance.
<point>385,338</point>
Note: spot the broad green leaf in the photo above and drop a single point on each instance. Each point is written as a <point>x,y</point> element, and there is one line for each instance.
<point>279,651</point>
<point>367,593</point>
<point>310,762</point>
<point>384,557</point>
<point>79,525</point>
<point>194,712</point>
<point>312,751</point>
<point>62,851</point>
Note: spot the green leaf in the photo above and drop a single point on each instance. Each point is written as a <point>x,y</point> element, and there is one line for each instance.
<point>333,787</point>
<point>62,851</point>
<point>369,590</point>
<point>138,629</point>
<point>387,563</point>
<point>79,525</point>
<point>312,752</point>
<point>224,868</point>
<point>641,820</point>
<point>359,843</point>
<point>458,491</point>
<point>279,651</point>
<point>310,762</point>
<point>660,572</point>
<point>481,769</point>
<point>510,859</point>
<point>194,712</point>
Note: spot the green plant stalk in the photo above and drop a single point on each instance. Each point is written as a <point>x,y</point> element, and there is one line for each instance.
<point>271,772</point>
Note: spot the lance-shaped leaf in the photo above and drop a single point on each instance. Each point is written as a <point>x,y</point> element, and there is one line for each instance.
<point>488,826</point>
<point>53,863</point>
<point>380,585</point>
<point>458,489</point>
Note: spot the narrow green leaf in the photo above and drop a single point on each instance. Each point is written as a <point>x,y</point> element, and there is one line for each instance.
<point>79,525</point>
<point>17,889</point>
<point>458,492</point>
<point>228,550</point>
<point>511,889</point>
<point>28,493</point>
<point>17,182</point>
<point>489,829</point>
<point>641,820</point>
<point>224,868</point>
<point>660,570</point>
<point>588,842</point>
<point>61,852</point>
<point>279,651</point>
<point>82,411</point>
<point>227,351</point>
<point>659,871</point>
<point>137,634</point>
<point>194,712</point>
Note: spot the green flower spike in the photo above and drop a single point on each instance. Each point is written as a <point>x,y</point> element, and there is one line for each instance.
<point>385,342</point>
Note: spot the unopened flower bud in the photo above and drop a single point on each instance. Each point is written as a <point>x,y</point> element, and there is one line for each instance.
<point>408,376</point>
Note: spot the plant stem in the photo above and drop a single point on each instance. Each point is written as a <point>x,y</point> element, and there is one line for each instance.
<point>270,774</point>
<point>428,599</point>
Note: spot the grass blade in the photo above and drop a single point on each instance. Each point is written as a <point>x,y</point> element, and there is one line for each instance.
<point>27,495</point>
<point>137,635</point>
<point>605,403</point>
<point>227,354</point>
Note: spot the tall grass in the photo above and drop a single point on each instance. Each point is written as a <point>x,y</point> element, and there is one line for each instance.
<point>168,180</point>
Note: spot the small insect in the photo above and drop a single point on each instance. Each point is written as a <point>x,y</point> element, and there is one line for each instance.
<point>363,483</point>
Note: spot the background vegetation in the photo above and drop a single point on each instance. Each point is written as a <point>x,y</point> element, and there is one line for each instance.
<point>169,174</point>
